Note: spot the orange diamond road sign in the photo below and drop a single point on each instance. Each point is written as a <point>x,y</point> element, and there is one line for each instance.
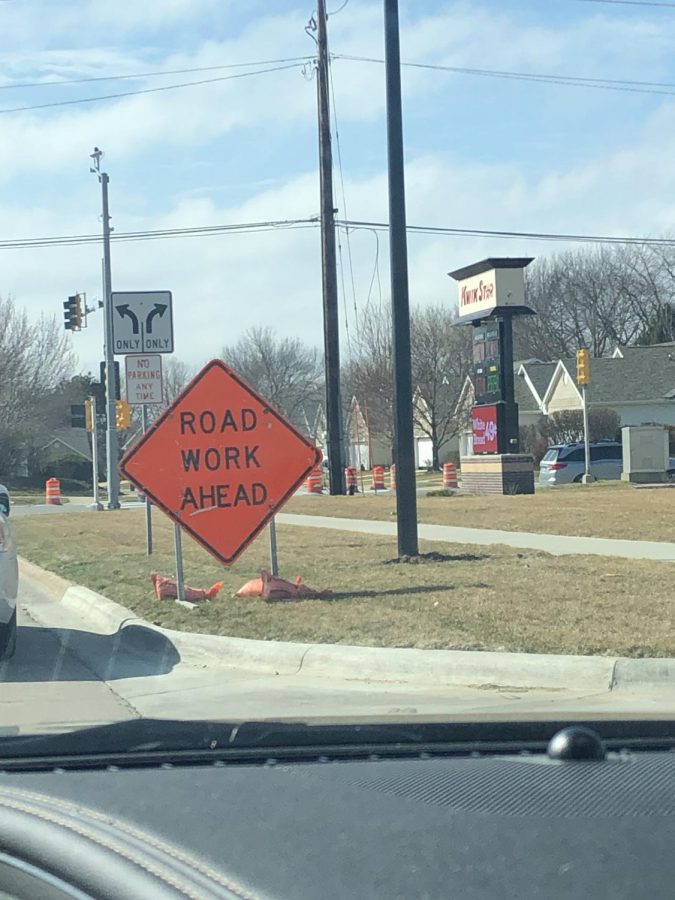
<point>220,461</point>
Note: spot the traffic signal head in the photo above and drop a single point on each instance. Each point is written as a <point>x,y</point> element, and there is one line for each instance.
<point>583,367</point>
<point>73,313</point>
<point>89,414</point>
<point>123,415</point>
<point>117,377</point>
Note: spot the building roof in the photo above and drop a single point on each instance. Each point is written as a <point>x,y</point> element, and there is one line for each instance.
<point>640,374</point>
<point>73,440</point>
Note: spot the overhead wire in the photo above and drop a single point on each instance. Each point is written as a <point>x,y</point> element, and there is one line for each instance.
<point>516,235</point>
<point>631,3</point>
<point>158,73</point>
<point>154,90</point>
<point>344,205</point>
<point>313,222</point>
<point>610,84</point>
<point>160,234</point>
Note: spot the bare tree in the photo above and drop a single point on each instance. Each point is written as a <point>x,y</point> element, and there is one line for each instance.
<point>176,375</point>
<point>285,371</point>
<point>597,297</point>
<point>35,357</point>
<point>369,375</point>
<point>441,360</point>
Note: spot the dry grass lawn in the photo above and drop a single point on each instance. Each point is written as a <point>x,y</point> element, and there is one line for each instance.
<point>606,509</point>
<point>468,598</point>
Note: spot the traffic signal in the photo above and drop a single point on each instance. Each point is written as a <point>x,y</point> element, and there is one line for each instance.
<point>89,415</point>
<point>123,415</point>
<point>117,378</point>
<point>77,415</point>
<point>72,313</point>
<point>583,367</point>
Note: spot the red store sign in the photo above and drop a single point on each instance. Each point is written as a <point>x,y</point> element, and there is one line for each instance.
<point>485,429</point>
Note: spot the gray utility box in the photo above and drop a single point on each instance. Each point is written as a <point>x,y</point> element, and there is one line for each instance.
<point>645,454</point>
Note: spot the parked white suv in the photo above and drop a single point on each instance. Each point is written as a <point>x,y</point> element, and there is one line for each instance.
<point>565,463</point>
<point>9,579</point>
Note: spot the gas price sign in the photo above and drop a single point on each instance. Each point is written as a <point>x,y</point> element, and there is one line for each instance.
<point>487,374</point>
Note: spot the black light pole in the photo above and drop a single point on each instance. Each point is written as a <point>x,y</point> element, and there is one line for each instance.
<point>406,493</point>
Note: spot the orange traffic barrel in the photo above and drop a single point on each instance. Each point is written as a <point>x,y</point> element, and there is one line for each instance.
<point>350,479</point>
<point>53,492</point>
<point>378,478</point>
<point>314,483</point>
<point>450,475</point>
<point>392,477</point>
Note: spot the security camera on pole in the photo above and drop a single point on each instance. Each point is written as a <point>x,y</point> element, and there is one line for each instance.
<point>584,378</point>
<point>110,399</point>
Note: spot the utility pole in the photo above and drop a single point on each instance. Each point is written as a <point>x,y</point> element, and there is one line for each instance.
<point>111,433</point>
<point>404,440</point>
<point>331,333</point>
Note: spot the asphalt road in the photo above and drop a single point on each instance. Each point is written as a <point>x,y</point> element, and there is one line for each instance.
<point>65,674</point>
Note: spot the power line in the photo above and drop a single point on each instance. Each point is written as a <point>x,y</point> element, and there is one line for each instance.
<point>312,222</point>
<point>344,204</point>
<point>608,84</point>
<point>134,76</point>
<point>516,235</point>
<point>166,87</point>
<point>630,3</point>
<point>159,234</point>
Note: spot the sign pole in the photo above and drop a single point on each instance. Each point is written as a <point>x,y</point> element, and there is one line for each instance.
<point>274,562</point>
<point>180,578</point>
<point>111,432</point>
<point>587,478</point>
<point>148,507</point>
<point>94,453</point>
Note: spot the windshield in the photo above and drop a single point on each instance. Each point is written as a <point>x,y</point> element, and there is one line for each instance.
<point>288,330</point>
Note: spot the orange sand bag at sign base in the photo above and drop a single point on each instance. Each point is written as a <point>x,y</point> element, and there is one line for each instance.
<point>167,589</point>
<point>252,588</point>
<point>275,588</point>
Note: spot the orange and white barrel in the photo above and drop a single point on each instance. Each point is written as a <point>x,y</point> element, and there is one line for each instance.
<point>378,478</point>
<point>53,492</point>
<point>450,475</point>
<point>314,483</point>
<point>350,480</point>
<point>392,477</point>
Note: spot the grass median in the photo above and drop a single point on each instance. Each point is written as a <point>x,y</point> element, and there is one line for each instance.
<point>605,509</point>
<point>465,598</point>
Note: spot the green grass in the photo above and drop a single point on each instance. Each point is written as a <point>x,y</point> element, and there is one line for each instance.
<point>605,509</point>
<point>465,598</point>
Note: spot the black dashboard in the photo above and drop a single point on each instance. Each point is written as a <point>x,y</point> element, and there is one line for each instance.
<point>504,825</point>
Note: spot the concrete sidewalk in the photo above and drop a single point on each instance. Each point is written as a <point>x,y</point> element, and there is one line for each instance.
<point>557,544</point>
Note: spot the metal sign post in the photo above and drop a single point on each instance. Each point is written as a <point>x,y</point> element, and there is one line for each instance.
<point>97,505</point>
<point>148,507</point>
<point>587,477</point>
<point>274,562</point>
<point>180,577</point>
<point>111,433</point>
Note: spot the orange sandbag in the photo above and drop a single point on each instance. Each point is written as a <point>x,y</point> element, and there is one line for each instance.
<point>167,589</point>
<point>252,588</point>
<point>275,588</point>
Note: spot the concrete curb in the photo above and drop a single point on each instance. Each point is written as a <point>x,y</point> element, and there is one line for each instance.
<point>400,666</point>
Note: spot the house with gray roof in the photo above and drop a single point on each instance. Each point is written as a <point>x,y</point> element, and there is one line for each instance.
<point>637,382</point>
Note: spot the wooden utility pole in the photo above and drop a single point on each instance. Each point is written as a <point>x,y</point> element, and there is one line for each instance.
<point>331,333</point>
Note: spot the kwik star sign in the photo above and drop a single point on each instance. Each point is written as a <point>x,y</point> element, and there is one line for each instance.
<point>220,461</point>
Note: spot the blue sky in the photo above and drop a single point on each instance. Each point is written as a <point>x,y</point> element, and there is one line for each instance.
<point>481,152</point>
